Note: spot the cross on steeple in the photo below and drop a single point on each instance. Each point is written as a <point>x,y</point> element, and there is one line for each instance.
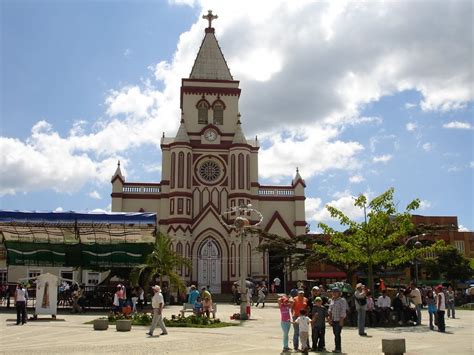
<point>209,17</point>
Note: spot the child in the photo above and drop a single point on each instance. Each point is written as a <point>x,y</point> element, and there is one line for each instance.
<point>320,314</point>
<point>303,322</point>
<point>207,305</point>
<point>198,307</point>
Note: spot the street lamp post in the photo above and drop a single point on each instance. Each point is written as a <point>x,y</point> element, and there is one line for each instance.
<point>240,223</point>
<point>416,245</point>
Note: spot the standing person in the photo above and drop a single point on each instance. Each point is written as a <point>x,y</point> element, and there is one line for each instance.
<point>262,293</point>
<point>299,302</point>
<point>441,308</point>
<point>320,315</point>
<point>450,302</point>
<point>431,303</point>
<point>20,297</point>
<point>383,304</point>
<point>207,306</point>
<point>285,317</point>
<point>277,282</point>
<point>206,293</point>
<point>371,310</point>
<point>193,295</point>
<point>157,302</point>
<point>415,296</point>
<point>337,314</point>
<point>360,296</point>
<point>303,322</point>
<point>134,299</point>
<point>141,298</point>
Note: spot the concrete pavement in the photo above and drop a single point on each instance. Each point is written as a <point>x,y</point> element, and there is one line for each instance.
<point>260,335</point>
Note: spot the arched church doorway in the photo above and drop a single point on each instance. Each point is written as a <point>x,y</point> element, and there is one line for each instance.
<point>209,265</point>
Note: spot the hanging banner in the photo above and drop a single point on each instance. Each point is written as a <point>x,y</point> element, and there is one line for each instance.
<point>46,294</point>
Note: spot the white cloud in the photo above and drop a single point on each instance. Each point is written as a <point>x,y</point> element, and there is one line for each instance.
<point>411,126</point>
<point>285,152</point>
<point>471,164</point>
<point>103,210</point>
<point>409,105</point>
<point>424,205</point>
<point>461,228</point>
<point>311,68</point>
<point>457,125</point>
<point>355,179</point>
<point>59,209</point>
<point>427,147</point>
<point>382,158</point>
<point>316,211</point>
<point>94,194</point>
<point>127,52</point>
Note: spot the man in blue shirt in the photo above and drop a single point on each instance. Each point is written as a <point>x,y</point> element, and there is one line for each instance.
<point>193,295</point>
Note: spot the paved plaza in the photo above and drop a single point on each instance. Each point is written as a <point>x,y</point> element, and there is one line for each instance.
<point>261,335</point>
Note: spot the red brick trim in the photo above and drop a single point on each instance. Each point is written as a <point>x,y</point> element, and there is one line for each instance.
<point>277,216</point>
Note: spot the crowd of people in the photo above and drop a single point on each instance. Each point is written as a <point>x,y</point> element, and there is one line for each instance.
<point>309,313</point>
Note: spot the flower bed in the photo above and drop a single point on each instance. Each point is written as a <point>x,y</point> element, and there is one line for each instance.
<point>192,321</point>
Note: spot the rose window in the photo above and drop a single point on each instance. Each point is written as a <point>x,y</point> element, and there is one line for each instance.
<point>209,171</point>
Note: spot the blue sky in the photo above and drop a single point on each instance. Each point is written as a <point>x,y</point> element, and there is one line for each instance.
<point>361,97</point>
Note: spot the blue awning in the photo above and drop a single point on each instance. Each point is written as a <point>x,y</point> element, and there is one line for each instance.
<point>77,217</point>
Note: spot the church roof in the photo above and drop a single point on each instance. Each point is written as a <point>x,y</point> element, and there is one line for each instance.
<point>210,63</point>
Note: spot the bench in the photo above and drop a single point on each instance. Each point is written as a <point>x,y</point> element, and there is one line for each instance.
<point>189,307</point>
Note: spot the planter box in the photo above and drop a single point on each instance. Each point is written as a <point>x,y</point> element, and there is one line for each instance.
<point>124,325</point>
<point>101,324</point>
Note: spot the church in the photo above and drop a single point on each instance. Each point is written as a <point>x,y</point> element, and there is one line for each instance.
<point>208,168</point>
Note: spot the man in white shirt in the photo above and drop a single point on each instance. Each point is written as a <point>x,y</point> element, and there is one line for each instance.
<point>157,302</point>
<point>383,304</point>
<point>441,306</point>
<point>415,296</point>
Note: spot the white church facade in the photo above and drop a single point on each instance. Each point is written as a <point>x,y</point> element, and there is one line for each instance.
<point>207,168</point>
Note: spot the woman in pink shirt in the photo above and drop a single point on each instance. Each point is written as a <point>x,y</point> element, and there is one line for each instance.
<point>285,313</point>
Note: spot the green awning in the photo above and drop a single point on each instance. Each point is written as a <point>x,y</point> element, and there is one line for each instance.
<point>77,255</point>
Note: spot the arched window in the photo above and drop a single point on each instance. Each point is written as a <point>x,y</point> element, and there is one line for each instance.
<point>203,109</point>
<point>173,158</point>
<point>179,251</point>
<point>240,171</point>
<point>181,169</point>
<point>218,109</point>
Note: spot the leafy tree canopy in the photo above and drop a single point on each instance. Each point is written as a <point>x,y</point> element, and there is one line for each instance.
<point>162,262</point>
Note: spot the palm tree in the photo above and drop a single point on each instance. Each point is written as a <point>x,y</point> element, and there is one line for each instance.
<point>162,262</point>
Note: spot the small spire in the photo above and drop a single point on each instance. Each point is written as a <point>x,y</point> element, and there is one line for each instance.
<point>182,134</point>
<point>163,134</point>
<point>239,135</point>
<point>118,173</point>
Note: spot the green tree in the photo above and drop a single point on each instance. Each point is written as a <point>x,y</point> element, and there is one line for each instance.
<point>378,241</point>
<point>162,262</point>
<point>449,264</point>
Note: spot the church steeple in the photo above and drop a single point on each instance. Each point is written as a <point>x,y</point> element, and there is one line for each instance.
<point>118,174</point>
<point>210,63</point>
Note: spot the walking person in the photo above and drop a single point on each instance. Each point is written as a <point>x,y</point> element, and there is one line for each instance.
<point>431,303</point>
<point>450,304</point>
<point>20,297</point>
<point>441,308</point>
<point>157,302</point>
<point>262,294</point>
<point>360,296</point>
<point>285,317</point>
<point>337,313</point>
<point>320,315</point>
